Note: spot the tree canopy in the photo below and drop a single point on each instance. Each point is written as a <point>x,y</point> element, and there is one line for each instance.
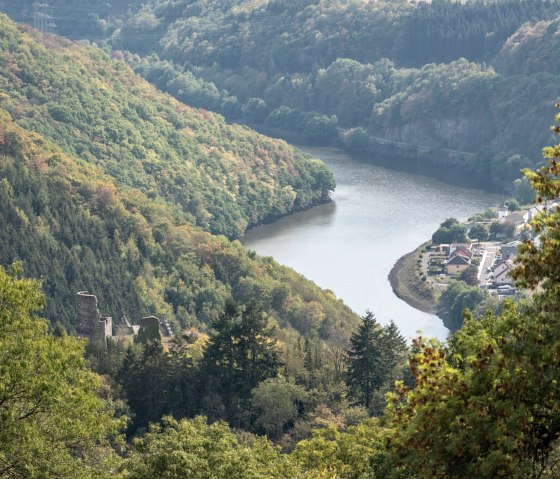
<point>487,405</point>
<point>53,419</point>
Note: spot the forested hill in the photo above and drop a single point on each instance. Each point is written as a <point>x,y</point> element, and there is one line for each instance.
<point>112,187</point>
<point>443,75</point>
<point>428,74</point>
<point>224,178</point>
<point>301,35</point>
<point>75,18</point>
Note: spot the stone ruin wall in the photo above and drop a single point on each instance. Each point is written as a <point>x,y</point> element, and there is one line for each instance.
<point>87,313</point>
<point>99,328</point>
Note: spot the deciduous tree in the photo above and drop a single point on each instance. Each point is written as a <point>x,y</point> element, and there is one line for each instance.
<point>53,422</point>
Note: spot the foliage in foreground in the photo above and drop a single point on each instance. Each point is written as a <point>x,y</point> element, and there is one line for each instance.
<point>487,406</point>
<point>53,421</point>
<point>194,449</point>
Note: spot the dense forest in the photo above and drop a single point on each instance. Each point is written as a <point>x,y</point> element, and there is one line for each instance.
<point>224,178</point>
<point>484,405</point>
<point>120,188</point>
<point>480,71</point>
<point>110,185</point>
<point>309,67</point>
<point>94,165</point>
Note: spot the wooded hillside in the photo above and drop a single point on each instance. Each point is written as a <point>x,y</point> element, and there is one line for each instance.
<point>112,187</point>
<point>307,67</point>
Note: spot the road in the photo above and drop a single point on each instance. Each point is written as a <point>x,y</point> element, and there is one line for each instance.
<point>491,251</point>
<point>342,132</point>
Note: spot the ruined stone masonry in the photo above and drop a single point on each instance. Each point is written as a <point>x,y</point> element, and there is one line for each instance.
<point>90,321</point>
<point>100,328</point>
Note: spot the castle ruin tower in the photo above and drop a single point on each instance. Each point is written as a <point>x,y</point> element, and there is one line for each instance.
<point>90,321</point>
<point>87,313</point>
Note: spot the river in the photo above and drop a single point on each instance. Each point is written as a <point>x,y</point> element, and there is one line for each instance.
<point>350,245</point>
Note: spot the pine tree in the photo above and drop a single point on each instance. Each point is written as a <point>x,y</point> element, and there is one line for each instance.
<point>145,379</point>
<point>241,354</point>
<point>395,347</point>
<point>367,370</point>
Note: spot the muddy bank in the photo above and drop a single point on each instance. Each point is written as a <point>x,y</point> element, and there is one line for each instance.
<point>408,285</point>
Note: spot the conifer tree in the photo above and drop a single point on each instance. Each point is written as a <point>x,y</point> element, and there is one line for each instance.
<point>145,379</point>
<point>395,347</point>
<point>366,369</point>
<point>241,354</point>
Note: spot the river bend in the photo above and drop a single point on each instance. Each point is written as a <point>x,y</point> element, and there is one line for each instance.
<point>350,245</point>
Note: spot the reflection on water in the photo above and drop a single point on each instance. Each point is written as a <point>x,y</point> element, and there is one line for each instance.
<point>350,245</point>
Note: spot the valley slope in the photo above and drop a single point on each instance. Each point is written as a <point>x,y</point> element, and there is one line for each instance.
<point>110,186</point>
<point>441,75</point>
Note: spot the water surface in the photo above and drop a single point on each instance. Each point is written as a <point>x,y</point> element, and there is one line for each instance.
<point>350,245</point>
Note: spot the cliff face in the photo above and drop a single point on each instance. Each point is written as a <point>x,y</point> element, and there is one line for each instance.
<point>514,122</point>
<point>463,134</point>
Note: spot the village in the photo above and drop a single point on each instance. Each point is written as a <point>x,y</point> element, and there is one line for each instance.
<point>486,261</point>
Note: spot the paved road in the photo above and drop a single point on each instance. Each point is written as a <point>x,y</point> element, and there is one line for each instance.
<point>491,251</point>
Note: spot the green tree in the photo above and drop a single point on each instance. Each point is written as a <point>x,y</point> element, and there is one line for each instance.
<point>368,369</point>
<point>255,111</point>
<point>501,230</point>
<point>320,127</point>
<point>442,236</point>
<point>458,297</point>
<point>470,275</point>
<point>396,348</point>
<point>450,231</point>
<point>145,378</point>
<point>479,231</point>
<point>513,205</point>
<point>356,453</point>
<point>538,262</point>
<point>53,423</point>
<point>195,450</point>
<point>449,222</point>
<point>241,353</point>
<point>277,403</point>
<point>487,407</point>
<point>524,191</point>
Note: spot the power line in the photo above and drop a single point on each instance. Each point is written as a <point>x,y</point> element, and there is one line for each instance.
<point>42,18</point>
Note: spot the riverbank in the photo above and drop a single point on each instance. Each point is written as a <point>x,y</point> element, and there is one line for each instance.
<point>274,218</point>
<point>350,244</point>
<point>407,284</point>
<point>450,166</point>
<point>445,165</point>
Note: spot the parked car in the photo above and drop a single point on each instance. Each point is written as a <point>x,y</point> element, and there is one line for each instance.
<point>506,290</point>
